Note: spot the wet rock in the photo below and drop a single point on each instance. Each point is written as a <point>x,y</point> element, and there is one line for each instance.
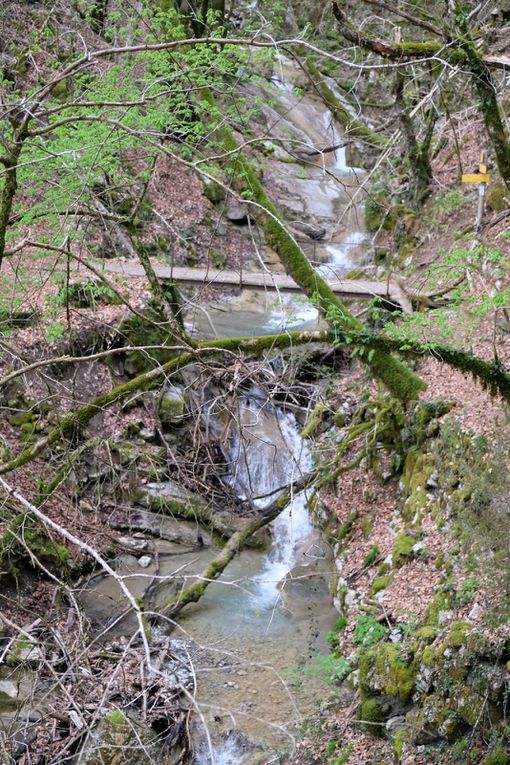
<point>313,232</point>
<point>133,544</point>
<point>157,525</point>
<point>145,561</point>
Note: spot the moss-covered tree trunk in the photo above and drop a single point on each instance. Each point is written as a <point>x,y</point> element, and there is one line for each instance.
<point>10,160</point>
<point>395,375</point>
<point>418,154</point>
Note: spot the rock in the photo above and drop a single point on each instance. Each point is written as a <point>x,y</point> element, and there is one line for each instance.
<point>433,480</point>
<point>119,739</point>
<point>32,654</point>
<point>148,434</point>
<point>394,724</point>
<point>214,192</point>
<point>172,405</point>
<point>145,561</point>
<point>157,525</point>
<point>475,612</point>
<point>138,545</point>
<point>169,495</point>
<point>235,213</point>
<point>8,690</point>
<point>313,232</point>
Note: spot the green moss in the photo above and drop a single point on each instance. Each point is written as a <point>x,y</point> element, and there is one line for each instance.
<point>427,633</point>
<point>214,192</point>
<point>380,583</point>
<point>370,558</point>
<point>21,418</point>
<point>399,742</point>
<point>116,718</point>
<point>371,713</point>
<point>496,196</point>
<point>382,668</point>
<point>470,705</point>
<point>442,601</point>
<point>499,756</point>
<point>402,549</point>
<point>457,634</point>
<point>314,420</point>
<point>428,656</point>
<point>345,529</point>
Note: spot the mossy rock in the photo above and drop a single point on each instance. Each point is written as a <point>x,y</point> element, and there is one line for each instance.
<point>434,719</point>
<point>135,330</point>
<point>457,634</point>
<point>85,293</point>
<point>214,192</point>
<point>119,740</point>
<point>403,549</point>
<point>474,708</point>
<point>371,714</point>
<point>442,601</point>
<point>172,405</point>
<point>427,633</point>
<point>496,196</point>
<point>384,669</point>
<point>380,583</point>
<point>500,756</point>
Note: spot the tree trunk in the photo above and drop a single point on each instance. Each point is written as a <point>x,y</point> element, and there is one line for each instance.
<point>396,376</point>
<point>418,155</point>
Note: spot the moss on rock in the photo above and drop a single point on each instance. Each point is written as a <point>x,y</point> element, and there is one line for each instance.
<point>119,739</point>
<point>384,669</point>
<point>403,549</point>
<point>371,713</point>
<point>500,756</point>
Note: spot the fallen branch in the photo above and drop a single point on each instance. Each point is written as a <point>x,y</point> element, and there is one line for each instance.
<point>234,545</point>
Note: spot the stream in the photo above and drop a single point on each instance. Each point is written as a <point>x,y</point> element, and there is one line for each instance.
<point>259,632</point>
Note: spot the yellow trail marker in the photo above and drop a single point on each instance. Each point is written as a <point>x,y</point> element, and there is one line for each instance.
<point>476,177</point>
<point>482,177</point>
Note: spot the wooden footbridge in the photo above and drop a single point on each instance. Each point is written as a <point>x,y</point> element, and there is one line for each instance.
<point>353,289</point>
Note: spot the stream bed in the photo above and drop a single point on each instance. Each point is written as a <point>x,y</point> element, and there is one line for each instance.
<point>258,634</point>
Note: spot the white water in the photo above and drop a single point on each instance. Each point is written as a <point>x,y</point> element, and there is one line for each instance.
<point>268,453</point>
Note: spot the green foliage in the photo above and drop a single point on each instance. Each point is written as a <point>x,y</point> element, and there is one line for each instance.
<point>332,669</point>
<point>368,631</point>
<point>333,635</point>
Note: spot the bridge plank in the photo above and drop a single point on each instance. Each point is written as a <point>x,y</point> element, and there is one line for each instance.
<point>261,280</point>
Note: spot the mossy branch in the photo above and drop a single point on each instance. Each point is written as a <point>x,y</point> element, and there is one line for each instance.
<point>491,374</point>
<point>75,422</point>
<point>399,379</point>
<point>352,127</point>
<point>234,545</point>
